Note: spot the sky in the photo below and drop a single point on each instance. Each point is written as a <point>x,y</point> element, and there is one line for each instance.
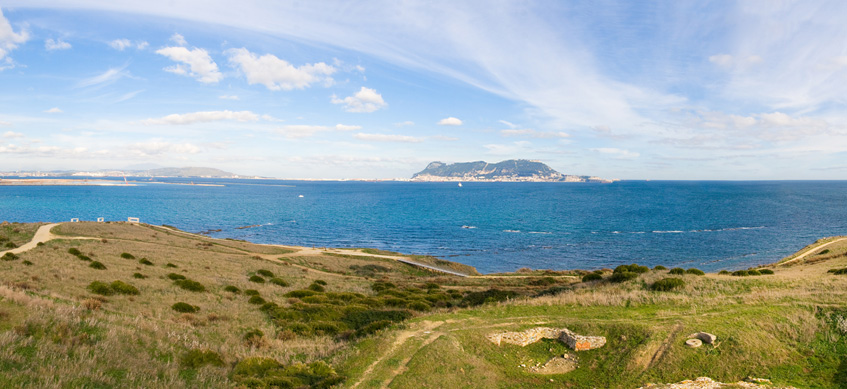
<point>706,90</point>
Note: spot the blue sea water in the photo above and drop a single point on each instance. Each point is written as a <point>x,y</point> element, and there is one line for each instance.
<point>492,226</point>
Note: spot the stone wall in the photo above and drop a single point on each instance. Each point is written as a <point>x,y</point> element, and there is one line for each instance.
<point>532,335</point>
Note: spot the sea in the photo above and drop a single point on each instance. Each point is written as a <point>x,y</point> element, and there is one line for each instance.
<point>495,227</point>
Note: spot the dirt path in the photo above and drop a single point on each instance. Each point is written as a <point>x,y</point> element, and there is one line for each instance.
<point>425,328</point>
<point>42,235</point>
<point>810,251</point>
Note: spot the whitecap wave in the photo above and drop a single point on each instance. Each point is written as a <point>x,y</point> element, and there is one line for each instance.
<point>469,227</point>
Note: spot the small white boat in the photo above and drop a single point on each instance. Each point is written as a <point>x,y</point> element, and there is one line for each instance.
<point>300,196</point>
<point>460,185</point>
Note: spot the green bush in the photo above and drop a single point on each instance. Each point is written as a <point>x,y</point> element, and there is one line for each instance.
<point>121,287</point>
<point>325,328</point>
<point>623,277</point>
<point>127,256</point>
<point>488,296</point>
<point>695,271</point>
<point>666,284</point>
<point>195,359</point>
<point>677,270</point>
<point>633,268</point>
<point>251,292</point>
<point>266,273</point>
<point>97,265</point>
<point>659,267</point>
<point>83,258</point>
<point>191,285</point>
<point>316,287</point>
<point>139,275</point>
<point>765,271</point>
<point>101,288</point>
<point>753,272</point>
<point>839,271</point>
<point>185,307</point>
<point>256,279</point>
<point>10,257</point>
<point>232,289</point>
<point>27,263</point>
<point>175,276</point>
<point>171,265</point>
<point>278,281</point>
<point>544,281</point>
<point>380,286</point>
<point>724,272</point>
<point>299,293</point>
<point>144,261</point>
<point>591,277</point>
<point>320,282</point>
<point>11,245</point>
<point>740,273</point>
<point>254,367</point>
<point>419,306</point>
<point>74,251</point>
<point>824,251</point>
<point>256,300</point>
<point>39,244</point>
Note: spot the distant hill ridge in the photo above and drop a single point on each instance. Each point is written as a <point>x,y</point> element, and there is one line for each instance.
<point>513,170</point>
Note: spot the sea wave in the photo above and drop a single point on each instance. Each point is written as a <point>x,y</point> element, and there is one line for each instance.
<point>469,227</point>
<point>515,231</point>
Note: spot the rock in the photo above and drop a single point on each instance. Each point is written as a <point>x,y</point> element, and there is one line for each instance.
<point>693,343</point>
<point>706,337</point>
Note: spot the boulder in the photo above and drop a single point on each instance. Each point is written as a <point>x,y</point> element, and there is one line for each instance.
<point>706,337</point>
<point>693,343</point>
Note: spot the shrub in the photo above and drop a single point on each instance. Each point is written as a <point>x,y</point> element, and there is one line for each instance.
<point>101,288</point>
<point>251,292</point>
<point>320,282</point>
<point>254,367</point>
<point>633,268</point>
<point>544,281</point>
<point>27,263</point>
<point>740,273</point>
<point>591,277</point>
<point>232,289</point>
<point>380,286</point>
<point>316,287</point>
<point>724,272</point>
<point>266,273</point>
<point>39,244</point>
<point>185,307</point>
<point>839,271</point>
<point>174,276</point>
<point>139,275</point>
<point>191,285</point>
<point>195,359</point>
<point>256,300</point>
<point>97,265</point>
<point>127,256</point>
<point>171,265</point>
<point>74,251</point>
<point>677,270</point>
<point>623,277</point>
<point>121,287</point>
<point>765,271</point>
<point>659,267</point>
<point>299,293</point>
<point>11,245</point>
<point>666,284</point>
<point>83,258</point>
<point>372,327</point>
<point>695,271</point>
<point>256,279</point>
<point>753,272</point>
<point>419,306</point>
<point>824,251</point>
<point>488,296</point>
<point>144,261</point>
<point>10,257</point>
<point>278,281</point>
<point>254,333</point>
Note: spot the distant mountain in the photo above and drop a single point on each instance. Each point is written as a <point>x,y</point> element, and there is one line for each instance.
<point>187,172</point>
<point>513,170</point>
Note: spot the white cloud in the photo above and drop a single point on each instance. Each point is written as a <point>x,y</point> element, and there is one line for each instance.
<point>365,100</point>
<point>9,40</point>
<point>141,45</point>
<point>721,59</point>
<point>444,138</point>
<point>53,110</point>
<point>509,124</point>
<point>228,97</point>
<point>200,64</point>
<point>12,134</point>
<point>202,117</point>
<point>388,138</point>
<point>344,127</point>
<point>120,44</point>
<point>179,40</point>
<point>515,149</point>
<point>51,45</point>
<point>619,153</point>
<point>107,77</point>
<point>157,147</point>
<point>5,123</point>
<point>404,124</point>
<point>534,134</point>
<point>277,74</point>
<point>300,130</point>
<point>128,96</point>
<point>451,121</point>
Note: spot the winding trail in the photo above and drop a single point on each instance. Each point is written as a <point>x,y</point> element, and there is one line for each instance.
<point>42,235</point>
<point>810,251</point>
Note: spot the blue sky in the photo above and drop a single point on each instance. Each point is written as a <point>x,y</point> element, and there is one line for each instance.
<point>377,89</point>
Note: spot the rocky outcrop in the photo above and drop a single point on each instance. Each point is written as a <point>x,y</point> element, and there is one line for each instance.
<point>574,341</point>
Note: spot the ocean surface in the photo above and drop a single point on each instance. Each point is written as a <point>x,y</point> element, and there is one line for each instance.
<point>492,226</point>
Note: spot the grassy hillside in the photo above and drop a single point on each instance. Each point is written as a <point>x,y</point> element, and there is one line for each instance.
<point>136,305</point>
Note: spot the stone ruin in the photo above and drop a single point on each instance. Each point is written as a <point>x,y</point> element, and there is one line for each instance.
<point>532,335</point>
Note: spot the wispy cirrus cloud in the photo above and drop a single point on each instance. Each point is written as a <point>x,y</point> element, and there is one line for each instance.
<point>388,138</point>
<point>202,117</point>
<point>108,77</point>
